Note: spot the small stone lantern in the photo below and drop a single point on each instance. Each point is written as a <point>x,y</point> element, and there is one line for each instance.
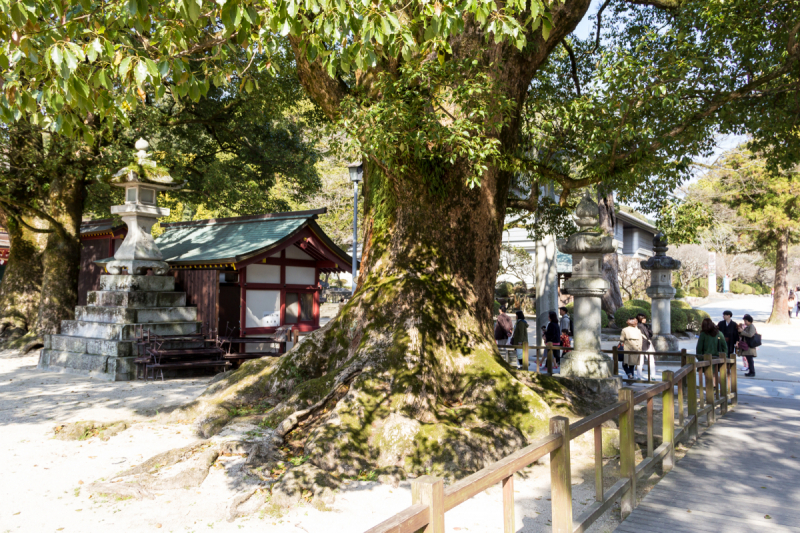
<point>142,181</point>
<point>661,292</point>
<point>587,285</point>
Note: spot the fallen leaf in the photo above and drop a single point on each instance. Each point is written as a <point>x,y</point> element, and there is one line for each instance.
<point>763,487</point>
<point>158,525</point>
<point>80,482</point>
<point>688,510</point>
<point>768,517</point>
<point>15,514</point>
<point>78,510</point>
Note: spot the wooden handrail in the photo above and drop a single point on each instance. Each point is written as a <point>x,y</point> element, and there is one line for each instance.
<point>421,513</point>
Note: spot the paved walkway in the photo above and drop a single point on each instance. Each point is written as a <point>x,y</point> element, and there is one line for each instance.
<point>741,476</point>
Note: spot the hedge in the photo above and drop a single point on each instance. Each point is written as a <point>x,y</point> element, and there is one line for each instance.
<point>503,289</point>
<point>627,312</point>
<point>699,292</point>
<point>638,303</point>
<point>695,318</point>
<point>680,293</point>
<point>679,320</point>
<point>679,305</point>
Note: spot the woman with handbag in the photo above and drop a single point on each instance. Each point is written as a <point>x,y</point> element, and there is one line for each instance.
<point>747,346</point>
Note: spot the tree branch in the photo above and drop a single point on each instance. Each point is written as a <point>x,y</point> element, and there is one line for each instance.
<point>574,64</point>
<point>599,24</point>
<point>327,92</point>
<point>56,225</point>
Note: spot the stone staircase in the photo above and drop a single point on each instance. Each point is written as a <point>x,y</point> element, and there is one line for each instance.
<point>99,342</point>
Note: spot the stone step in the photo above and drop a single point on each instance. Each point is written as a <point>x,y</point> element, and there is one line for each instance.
<point>88,345</point>
<point>137,283</point>
<point>105,367</point>
<point>113,348</point>
<point>136,299</point>
<point>122,315</point>
<point>101,330</point>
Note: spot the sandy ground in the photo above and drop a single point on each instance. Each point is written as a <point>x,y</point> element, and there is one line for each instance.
<point>42,477</point>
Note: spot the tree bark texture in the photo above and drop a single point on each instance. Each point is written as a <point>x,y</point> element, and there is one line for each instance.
<point>780,300</point>
<point>408,374</point>
<point>61,258</point>
<point>20,289</point>
<point>612,300</point>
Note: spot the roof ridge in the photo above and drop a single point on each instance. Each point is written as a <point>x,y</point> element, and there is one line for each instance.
<point>311,213</point>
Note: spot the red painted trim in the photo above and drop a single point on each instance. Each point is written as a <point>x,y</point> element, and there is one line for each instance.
<point>111,247</point>
<point>324,250</point>
<point>303,326</point>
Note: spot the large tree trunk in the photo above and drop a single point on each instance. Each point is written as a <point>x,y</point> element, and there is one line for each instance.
<point>407,375</point>
<point>21,287</point>
<point>62,256</point>
<point>612,300</point>
<point>780,301</point>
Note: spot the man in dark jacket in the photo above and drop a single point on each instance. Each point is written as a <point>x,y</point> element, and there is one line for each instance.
<point>503,328</point>
<point>730,330</point>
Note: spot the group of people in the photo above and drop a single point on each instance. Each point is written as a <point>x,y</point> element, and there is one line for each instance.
<point>727,336</point>
<point>510,332</point>
<point>794,302</point>
<point>635,338</point>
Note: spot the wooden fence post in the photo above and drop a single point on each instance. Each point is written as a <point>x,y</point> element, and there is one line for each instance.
<point>429,490</point>
<point>723,384</point>
<point>627,451</point>
<point>561,478</point>
<point>668,419</point>
<point>701,402</point>
<point>549,352</point>
<point>508,505</point>
<point>599,494</point>
<point>734,383</point>
<point>525,354</point>
<point>691,397</point>
<point>615,355</point>
<point>711,417</point>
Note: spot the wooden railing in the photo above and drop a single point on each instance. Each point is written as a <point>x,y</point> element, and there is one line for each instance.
<point>430,498</point>
<point>544,354</point>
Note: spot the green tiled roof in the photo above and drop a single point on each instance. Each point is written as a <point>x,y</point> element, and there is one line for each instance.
<point>227,240</point>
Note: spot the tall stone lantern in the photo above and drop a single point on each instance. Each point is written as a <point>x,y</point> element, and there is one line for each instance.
<point>587,286</point>
<point>661,293</point>
<point>142,181</point>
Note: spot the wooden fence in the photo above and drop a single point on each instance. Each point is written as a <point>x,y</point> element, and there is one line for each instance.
<point>430,498</point>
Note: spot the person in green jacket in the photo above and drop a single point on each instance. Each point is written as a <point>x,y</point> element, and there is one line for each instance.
<point>520,334</point>
<point>711,340</point>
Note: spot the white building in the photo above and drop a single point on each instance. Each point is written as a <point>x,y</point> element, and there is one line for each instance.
<point>633,237</point>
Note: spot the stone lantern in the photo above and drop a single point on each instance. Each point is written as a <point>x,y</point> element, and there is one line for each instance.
<point>587,286</point>
<point>142,181</point>
<point>661,293</point>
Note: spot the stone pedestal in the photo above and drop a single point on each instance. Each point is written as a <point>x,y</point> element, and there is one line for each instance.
<point>99,342</point>
<point>587,286</point>
<point>661,292</point>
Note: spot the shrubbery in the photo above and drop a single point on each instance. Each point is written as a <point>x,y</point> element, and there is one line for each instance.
<point>679,305</point>
<point>503,289</point>
<point>625,313</point>
<point>679,319</point>
<point>639,303</point>
<point>699,292</point>
<point>680,293</point>
<point>695,318</point>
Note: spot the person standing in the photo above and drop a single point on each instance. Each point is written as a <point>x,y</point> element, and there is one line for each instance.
<point>565,322</point>
<point>503,327</point>
<point>711,340</point>
<point>520,334</point>
<point>791,304</point>
<point>631,339</point>
<point>729,330</point>
<point>647,346</point>
<point>552,334</point>
<point>746,331</point>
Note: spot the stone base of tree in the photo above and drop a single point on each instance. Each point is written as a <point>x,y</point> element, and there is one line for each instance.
<point>99,343</point>
<point>585,364</point>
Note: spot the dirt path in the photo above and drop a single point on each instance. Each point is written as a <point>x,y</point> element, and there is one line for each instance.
<point>45,479</point>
